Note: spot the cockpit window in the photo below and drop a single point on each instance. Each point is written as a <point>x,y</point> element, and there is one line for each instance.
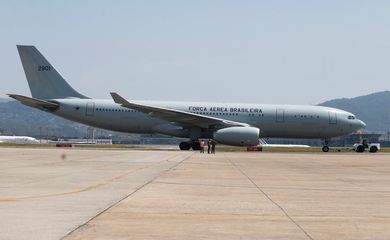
<point>351,117</point>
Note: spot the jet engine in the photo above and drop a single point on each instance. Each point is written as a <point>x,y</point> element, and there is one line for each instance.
<point>238,136</point>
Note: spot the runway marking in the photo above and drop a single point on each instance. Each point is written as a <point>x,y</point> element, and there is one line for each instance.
<point>129,195</point>
<point>204,185</point>
<point>89,188</point>
<point>270,199</point>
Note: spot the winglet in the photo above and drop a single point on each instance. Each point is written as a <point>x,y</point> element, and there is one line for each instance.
<point>118,99</point>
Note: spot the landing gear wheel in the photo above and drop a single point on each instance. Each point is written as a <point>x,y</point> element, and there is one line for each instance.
<point>185,146</point>
<point>373,149</point>
<point>325,149</point>
<point>360,149</point>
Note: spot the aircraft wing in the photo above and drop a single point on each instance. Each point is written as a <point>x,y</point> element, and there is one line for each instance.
<point>178,116</point>
<point>36,103</point>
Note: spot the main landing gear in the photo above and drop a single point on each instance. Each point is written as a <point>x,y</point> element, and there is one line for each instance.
<point>195,145</point>
<point>325,148</point>
<point>185,146</point>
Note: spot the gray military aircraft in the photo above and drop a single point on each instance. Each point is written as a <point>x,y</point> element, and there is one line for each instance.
<point>234,124</point>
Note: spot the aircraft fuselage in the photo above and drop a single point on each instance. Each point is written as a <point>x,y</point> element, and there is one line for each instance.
<point>287,121</point>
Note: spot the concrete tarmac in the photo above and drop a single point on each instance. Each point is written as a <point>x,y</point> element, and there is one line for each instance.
<point>130,194</point>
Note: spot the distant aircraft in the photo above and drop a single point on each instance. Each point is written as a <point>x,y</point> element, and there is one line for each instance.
<point>18,139</point>
<point>228,123</point>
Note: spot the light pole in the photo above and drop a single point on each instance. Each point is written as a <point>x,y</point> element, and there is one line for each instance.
<point>47,135</point>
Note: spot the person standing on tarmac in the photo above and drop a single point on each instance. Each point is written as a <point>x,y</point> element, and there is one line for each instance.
<point>213,143</point>
<point>209,146</point>
<point>201,146</point>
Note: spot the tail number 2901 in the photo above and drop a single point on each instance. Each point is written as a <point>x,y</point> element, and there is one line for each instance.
<point>44,68</point>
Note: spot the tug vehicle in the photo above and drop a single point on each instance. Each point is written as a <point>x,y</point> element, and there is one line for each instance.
<point>366,146</point>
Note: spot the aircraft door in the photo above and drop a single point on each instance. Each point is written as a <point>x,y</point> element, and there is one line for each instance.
<point>279,115</point>
<point>332,117</point>
<point>90,109</point>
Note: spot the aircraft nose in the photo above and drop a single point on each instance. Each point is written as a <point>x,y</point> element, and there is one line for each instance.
<point>361,124</point>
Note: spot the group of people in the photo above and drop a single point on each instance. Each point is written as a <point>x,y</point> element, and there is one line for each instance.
<point>210,146</point>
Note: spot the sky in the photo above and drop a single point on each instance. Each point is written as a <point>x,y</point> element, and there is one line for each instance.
<point>289,52</point>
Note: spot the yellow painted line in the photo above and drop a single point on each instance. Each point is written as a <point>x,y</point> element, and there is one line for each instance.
<point>86,189</point>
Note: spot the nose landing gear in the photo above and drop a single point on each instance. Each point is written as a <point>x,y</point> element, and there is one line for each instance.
<point>325,148</point>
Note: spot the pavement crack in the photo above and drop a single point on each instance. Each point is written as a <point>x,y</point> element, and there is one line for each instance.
<point>270,199</point>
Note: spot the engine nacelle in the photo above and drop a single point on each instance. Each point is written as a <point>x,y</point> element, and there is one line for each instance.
<point>238,136</point>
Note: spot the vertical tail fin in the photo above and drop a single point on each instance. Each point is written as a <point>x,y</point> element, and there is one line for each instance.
<point>44,81</point>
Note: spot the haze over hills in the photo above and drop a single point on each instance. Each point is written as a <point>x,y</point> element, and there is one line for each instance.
<point>4,100</point>
<point>373,109</point>
<point>18,119</point>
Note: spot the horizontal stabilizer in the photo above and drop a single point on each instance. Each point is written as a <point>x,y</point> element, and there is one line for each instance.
<point>36,103</point>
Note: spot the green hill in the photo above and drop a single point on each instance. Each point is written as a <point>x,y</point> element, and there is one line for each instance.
<point>373,109</point>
